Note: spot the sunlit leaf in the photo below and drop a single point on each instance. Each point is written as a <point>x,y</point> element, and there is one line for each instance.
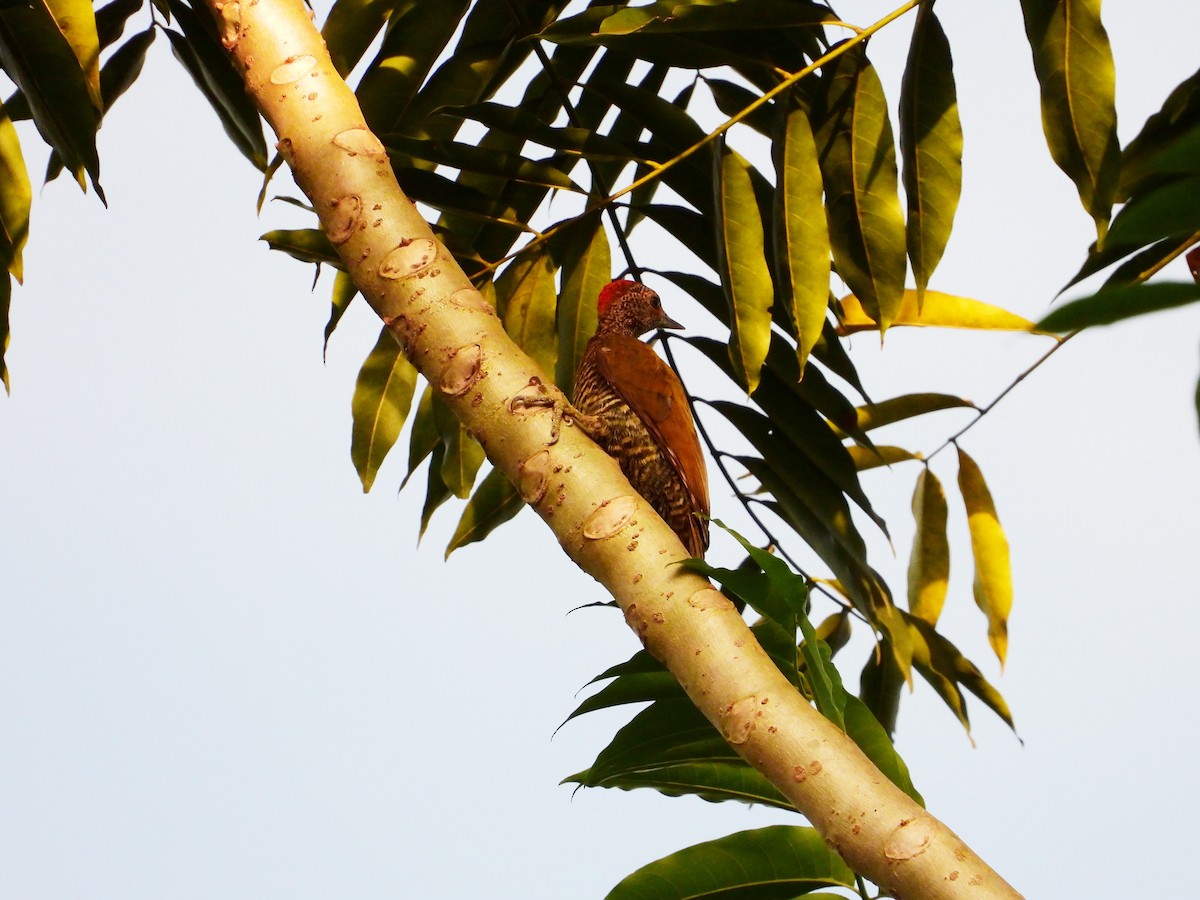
<point>1073,62</point>
<point>872,738</point>
<point>929,565</point>
<point>77,21</point>
<point>587,267</point>
<point>36,55</point>
<point>777,861</point>
<point>480,161</point>
<point>494,502</point>
<point>938,310</point>
<point>424,436</point>
<point>801,232</point>
<point>866,224</point>
<point>436,492</point>
<point>1112,304</point>
<point>16,195</point>
<point>382,397</point>
<point>344,291</point>
<point>352,25</point>
<point>931,144</point>
<point>879,455</point>
<point>907,406</point>
<point>462,455</point>
<point>640,679</point>
<point>993,571</point>
<point>526,302</point>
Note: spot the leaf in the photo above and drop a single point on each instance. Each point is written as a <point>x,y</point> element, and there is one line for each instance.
<point>350,28</point>
<point>424,437</point>
<point>743,266</point>
<point>1169,210</point>
<point>1140,160</point>
<point>929,565</point>
<point>308,245</point>
<point>866,225</point>
<point>344,292</point>
<point>937,310</point>
<point>1112,304</point>
<point>1074,66</point>
<point>462,454</point>
<point>480,161</point>
<point>436,492</point>
<point>641,678</point>
<point>587,267</point>
<point>494,502</point>
<point>907,406</point>
<point>879,455</point>
<point>672,748</point>
<point>993,572</point>
<point>526,302</point>
<point>5,301</point>
<point>382,398</point>
<point>208,64</point>
<point>873,740</point>
<point>801,232</point>
<point>39,59</point>
<point>77,21</point>
<point>777,861</point>
<point>931,144</point>
<point>16,197</point>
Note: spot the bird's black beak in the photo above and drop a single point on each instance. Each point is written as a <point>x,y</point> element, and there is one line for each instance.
<point>667,322</point>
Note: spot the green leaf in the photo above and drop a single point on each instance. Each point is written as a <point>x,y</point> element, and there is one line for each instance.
<point>822,677</point>
<point>1179,115</point>
<point>639,679</point>
<point>526,302</point>
<point>873,740</point>
<point>36,55</point>
<point>929,565</point>
<point>993,571</point>
<point>382,398</point>
<point>801,232</point>
<point>308,245</point>
<point>1074,66</point>
<point>16,197</point>
<point>743,266</point>
<point>111,19</point>
<point>866,224</point>
<point>351,27</point>
<point>587,267</point>
<point>480,161</point>
<point>436,492</point>
<point>672,748</point>
<point>494,502</point>
<point>1169,210</point>
<point>931,144</point>
<point>424,437</point>
<point>907,406</point>
<point>462,454</point>
<point>208,64</point>
<point>779,861</point>
<point>344,292</point>
<point>1112,304</point>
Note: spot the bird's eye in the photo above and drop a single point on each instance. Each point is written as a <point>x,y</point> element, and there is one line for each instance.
<point>656,303</point>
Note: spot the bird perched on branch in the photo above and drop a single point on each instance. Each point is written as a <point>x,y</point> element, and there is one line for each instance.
<point>633,405</point>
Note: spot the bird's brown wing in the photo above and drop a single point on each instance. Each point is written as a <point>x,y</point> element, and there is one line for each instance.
<point>653,391</point>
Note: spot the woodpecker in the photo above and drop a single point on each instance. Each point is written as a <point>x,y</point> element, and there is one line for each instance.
<point>630,403</point>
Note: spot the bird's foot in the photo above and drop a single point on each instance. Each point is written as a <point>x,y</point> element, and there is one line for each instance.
<point>537,394</point>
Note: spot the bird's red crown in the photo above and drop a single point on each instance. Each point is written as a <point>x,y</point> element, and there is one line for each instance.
<point>611,292</point>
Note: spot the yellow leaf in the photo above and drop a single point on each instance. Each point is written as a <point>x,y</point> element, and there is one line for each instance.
<point>880,455</point>
<point>929,567</point>
<point>993,572</point>
<point>938,310</point>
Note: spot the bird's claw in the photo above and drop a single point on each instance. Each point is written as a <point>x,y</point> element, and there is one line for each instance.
<point>537,394</point>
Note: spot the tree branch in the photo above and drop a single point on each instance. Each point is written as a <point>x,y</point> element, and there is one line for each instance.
<point>455,339</point>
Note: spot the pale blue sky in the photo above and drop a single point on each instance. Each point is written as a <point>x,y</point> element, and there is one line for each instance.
<point>226,672</point>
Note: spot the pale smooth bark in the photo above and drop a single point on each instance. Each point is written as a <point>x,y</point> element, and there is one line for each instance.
<point>455,339</point>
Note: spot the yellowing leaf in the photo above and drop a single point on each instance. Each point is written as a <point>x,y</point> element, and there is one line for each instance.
<point>929,567</point>
<point>993,572</point>
<point>880,455</point>
<point>938,310</point>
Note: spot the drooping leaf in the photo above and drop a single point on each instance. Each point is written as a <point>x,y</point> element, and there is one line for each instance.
<point>16,196</point>
<point>879,455</point>
<point>587,267</point>
<point>202,55</point>
<point>1143,265</point>
<point>931,144</point>
<point>382,398</point>
<point>936,310</point>
<point>782,861</point>
<point>929,565</point>
<point>77,21</point>
<point>733,100</point>
<point>868,732</point>
<point>907,406</point>
<point>436,492</point>
<point>424,437</point>
<point>111,19</point>
<point>344,291</point>
<point>309,245</point>
<point>801,232</point>
<point>1166,211</point>
<point>1141,158</point>
<point>672,748</point>
<point>494,502</point>
<point>993,571</point>
<point>866,224</point>
<point>640,679</point>
<point>1073,62</point>
<point>743,267</point>
<point>462,455</point>
<point>526,302</point>
<point>37,56</point>
<point>1112,304</point>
